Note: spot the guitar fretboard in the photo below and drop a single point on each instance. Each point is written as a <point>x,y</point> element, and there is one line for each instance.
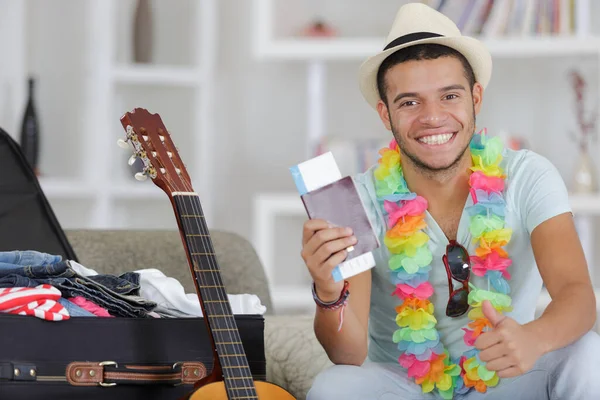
<point>218,315</point>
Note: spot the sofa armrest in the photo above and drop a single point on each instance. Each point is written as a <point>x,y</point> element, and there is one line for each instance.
<point>294,355</point>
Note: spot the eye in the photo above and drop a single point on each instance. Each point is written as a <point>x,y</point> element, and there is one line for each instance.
<point>408,103</point>
<point>451,96</point>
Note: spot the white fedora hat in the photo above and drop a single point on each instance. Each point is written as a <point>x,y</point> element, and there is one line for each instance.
<point>417,23</point>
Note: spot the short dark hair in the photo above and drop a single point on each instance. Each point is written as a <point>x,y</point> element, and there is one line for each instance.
<point>426,51</point>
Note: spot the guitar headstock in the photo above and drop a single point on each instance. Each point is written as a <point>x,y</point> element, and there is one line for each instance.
<point>152,144</point>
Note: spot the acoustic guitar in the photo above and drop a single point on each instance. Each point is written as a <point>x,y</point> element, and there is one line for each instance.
<point>231,377</point>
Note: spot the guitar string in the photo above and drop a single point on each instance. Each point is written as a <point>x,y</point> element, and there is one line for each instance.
<point>237,348</point>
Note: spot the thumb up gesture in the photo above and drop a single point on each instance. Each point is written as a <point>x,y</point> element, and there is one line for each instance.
<point>510,348</point>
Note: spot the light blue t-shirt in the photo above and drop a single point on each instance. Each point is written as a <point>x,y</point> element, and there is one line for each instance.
<point>534,193</point>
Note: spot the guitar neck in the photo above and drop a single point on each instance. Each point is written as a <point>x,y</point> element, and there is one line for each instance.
<point>213,297</point>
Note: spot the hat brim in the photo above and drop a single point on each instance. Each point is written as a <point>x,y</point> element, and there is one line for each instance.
<point>472,49</point>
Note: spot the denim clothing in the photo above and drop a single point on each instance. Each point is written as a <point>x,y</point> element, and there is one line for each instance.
<point>116,294</point>
<point>125,284</point>
<point>14,280</point>
<point>28,257</point>
<point>74,310</point>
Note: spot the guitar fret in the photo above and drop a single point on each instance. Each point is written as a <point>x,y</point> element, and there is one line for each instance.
<point>210,284</point>
<point>185,194</point>
<point>223,326</point>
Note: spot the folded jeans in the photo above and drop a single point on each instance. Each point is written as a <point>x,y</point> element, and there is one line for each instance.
<point>28,257</point>
<point>119,299</point>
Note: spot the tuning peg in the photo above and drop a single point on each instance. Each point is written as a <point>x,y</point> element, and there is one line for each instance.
<point>140,176</point>
<point>131,160</point>
<point>122,144</point>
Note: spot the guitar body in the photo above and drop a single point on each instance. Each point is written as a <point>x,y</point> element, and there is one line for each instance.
<point>264,390</point>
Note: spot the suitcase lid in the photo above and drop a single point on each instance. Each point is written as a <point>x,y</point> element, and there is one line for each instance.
<point>27,221</point>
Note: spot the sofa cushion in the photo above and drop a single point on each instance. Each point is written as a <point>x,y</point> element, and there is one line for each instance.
<point>293,353</point>
<point>118,251</point>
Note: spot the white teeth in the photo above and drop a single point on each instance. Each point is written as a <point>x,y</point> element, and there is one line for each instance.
<point>436,139</point>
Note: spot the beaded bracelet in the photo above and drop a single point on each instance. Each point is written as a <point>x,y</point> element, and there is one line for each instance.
<point>334,305</point>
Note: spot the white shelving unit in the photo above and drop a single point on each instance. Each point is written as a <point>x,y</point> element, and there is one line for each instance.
<point>95,188</point>
<point>316,54</point>
<point>165,76</point>
<point>301,49</point>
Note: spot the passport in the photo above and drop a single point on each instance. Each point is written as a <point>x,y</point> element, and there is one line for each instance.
<point>340,204</point>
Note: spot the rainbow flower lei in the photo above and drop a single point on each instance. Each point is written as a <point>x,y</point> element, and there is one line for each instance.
<point>423,353</point>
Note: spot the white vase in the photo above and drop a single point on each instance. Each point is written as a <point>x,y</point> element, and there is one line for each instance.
<point>584,179</point>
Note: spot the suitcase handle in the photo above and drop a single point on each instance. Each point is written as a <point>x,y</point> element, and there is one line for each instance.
<point>109,373</point>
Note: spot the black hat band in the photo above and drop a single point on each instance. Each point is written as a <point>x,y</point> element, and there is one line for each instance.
<point>411,37</point>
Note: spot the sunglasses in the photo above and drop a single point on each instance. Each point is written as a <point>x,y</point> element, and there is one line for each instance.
<point>458,267</point>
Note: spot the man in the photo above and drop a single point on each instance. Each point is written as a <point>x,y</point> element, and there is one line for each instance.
<point>467,240</point>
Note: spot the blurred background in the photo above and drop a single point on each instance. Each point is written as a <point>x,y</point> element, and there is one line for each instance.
<point>249,88</point>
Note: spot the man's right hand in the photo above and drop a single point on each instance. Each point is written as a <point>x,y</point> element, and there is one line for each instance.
<point>323,248</point>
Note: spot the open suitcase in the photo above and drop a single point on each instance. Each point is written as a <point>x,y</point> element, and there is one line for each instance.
<point>94,358</point>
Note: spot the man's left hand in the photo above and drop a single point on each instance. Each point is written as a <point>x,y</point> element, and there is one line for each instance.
<point>510,349</point>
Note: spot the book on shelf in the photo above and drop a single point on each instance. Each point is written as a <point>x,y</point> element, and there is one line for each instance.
<point>499,18</point>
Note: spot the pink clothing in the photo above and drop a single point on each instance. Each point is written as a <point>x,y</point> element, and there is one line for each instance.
<point>90,306</point>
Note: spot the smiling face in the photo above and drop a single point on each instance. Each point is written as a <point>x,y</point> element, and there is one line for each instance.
<point>431,110</point>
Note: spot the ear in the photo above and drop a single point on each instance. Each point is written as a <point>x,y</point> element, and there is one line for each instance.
<point>384,114</point>
<point>477,97</point>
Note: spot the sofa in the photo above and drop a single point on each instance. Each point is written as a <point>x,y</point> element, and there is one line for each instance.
<point>293,354</point>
